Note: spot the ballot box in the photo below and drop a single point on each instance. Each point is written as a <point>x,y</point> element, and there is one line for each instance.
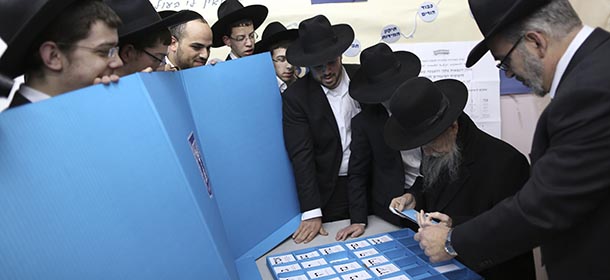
<point>394,255</point>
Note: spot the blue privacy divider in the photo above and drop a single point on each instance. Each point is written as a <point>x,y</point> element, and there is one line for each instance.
<point>92,189</point>
<point>162,176</point>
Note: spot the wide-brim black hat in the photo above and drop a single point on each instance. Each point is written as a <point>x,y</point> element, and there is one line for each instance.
<point>275,32</point>
<point>319,42</point>
<point>139,16</point>
<point>20,25</point>
<point>493,16</point>
<point>422,110</point>
<point>231,11</point>
<point>381,72</point>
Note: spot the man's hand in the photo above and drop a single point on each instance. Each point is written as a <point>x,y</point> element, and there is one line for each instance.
<point>353,231</point>
<point>308,229</point>
<point>405,201</point>
<point>106,79</point>
<point>431,239</point>
<point>425,219</point>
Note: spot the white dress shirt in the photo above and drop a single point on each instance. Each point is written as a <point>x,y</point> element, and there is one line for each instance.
<point>562,65</point>
<point>31,94</point>
<point>344,109</point>
<point>281,84</point>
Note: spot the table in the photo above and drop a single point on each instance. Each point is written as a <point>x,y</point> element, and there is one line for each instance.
<point>375,226</point>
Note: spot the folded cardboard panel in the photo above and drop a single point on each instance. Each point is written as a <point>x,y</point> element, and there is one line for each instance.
<point>161,176</point>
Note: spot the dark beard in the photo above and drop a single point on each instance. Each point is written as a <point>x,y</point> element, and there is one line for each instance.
<point>441,169</point>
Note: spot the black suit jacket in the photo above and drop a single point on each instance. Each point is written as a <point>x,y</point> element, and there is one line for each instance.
<point>376,172</point>
<point>312,140</point>
<point>564,206</point>
<point>18,100</point>
<point>490,171</point>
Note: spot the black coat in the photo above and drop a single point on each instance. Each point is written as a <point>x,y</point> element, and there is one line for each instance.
<point>490,171</point>
<point>564,206</point>
<point>312,141</point>
<point>375,169</point>
<point>18,100</point>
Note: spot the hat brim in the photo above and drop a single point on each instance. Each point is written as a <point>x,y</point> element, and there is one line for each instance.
<point>256,13</point>
<point>400,139</point>
<point>365,91</point>
<point>297,56</point>
<point>167,22</point>
<point>12,62</point>
<point>520,10</point>
<point>264,45</point>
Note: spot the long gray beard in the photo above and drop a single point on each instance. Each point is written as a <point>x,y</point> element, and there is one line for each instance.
<point>443,168</point>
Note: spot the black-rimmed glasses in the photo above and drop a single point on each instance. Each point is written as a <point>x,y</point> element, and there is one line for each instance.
<point>161,61</point>
<point>503,65</point>
<point>252,36</point>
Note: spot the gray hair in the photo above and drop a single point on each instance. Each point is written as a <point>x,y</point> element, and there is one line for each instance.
<point>556,19</point>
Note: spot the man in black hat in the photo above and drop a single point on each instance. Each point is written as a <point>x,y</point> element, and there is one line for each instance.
<point>317,113</point>
<point>59,45</point>
<point>236,27</point>
<point>465,170</point>
<point>375,169</point>
<point>191,42</point>
<point>144,36</point>
<point>564,206</point>
<point>276,39</point>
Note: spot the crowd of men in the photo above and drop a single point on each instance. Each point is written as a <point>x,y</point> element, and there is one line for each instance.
<point>369,137</point>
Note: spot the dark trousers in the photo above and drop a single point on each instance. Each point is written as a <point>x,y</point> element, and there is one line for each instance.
<point>337,207</point>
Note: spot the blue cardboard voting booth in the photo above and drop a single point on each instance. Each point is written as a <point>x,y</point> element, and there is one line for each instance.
<point>173,175</point>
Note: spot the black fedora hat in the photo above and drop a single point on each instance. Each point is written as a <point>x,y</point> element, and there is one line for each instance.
<point>319,42</point>
<point>381,72</point>
<point>492,16</point>
<point>175,17</point>
<point>20,25</point>
<point>422,110</point>
<point>275,32</point>
<point>231,11</point>
<point>139,16</point>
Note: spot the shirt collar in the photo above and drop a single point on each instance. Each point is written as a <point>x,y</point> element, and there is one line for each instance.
<point>562,65</point>
<point>233,56</point>
<point>281,84</point>
<point>170,64</point>
<point>343,86</point>
<point>33,95</point>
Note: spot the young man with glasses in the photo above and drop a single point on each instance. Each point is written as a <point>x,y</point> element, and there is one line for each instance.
<point>236,27</point>
<point>75,47</point>
<point>276,39</point>
<point>144,36</point>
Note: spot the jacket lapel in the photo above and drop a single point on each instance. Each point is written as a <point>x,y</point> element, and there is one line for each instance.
<point>319,101</point>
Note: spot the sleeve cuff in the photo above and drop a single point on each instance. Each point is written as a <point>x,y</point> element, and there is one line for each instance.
<point>315,213</point>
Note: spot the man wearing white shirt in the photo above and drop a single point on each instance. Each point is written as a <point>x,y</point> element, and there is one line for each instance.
<point>317,113</point>
<point>564,206</point>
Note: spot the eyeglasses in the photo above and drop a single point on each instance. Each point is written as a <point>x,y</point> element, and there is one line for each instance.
<point>161,61</point>
<point>103,52</point>
<point>503,65</point>
<point>279,59</point>
<point>252,36</point>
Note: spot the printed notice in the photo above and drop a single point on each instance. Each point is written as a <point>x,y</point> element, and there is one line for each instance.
<point>447,60</point>
<point>281,259</point>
